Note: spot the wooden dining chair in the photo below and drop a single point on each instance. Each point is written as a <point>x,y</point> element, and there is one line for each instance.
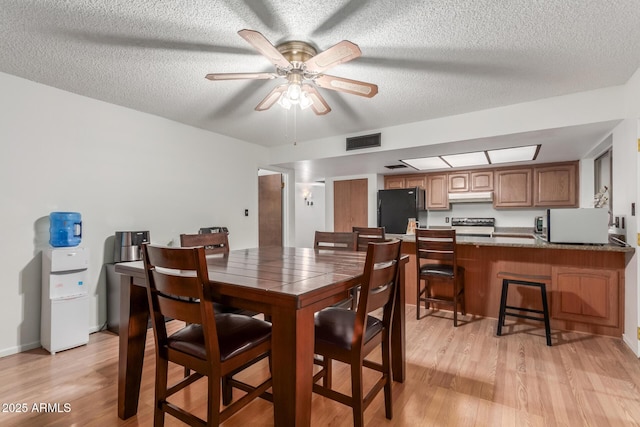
<point>212,345</point>
<point>336,240</point>
<point>437,262</point>
<point>368,234</point>
<point>214,244</point>
<point>349,336</point>
<point>341,241</point>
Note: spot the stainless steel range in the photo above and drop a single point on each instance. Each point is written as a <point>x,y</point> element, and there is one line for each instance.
<point>474,226</point>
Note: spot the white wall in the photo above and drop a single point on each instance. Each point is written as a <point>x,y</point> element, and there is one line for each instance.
<point>122,170</point>
<point>310,213</point>
<point>625,189</point>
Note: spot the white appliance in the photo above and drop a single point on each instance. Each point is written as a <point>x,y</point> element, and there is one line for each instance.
<point>580,225</point>
<point>65,299</point>
<point>474,226</point>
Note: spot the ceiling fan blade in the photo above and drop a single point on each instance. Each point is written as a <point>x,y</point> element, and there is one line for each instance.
<point>319,105</point>
<point>354,87</point>
<point>264,46</point>
<point>271,98</point>
<point>241,76</point>
<point>335,55</point>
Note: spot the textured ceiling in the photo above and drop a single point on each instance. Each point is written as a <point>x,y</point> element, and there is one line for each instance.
<point>429,58</point>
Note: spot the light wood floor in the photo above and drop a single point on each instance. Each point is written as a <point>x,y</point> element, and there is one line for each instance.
<point>455,377</point>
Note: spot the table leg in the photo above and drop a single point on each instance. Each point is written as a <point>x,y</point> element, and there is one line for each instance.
<point>134,315</point>
<point>398,359</point>
<point>292,361</point>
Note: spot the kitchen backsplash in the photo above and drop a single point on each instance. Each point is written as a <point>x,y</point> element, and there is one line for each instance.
<point>504,217</point>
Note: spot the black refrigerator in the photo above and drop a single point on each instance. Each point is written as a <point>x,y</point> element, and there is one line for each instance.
<point>395,207</point>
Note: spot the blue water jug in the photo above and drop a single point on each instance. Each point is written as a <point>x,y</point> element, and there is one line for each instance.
<point>65,229</point>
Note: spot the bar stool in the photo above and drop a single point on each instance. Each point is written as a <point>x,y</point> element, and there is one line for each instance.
<point>524,280</point>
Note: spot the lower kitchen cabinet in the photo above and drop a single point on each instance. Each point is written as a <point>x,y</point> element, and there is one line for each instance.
<point>585,295</point>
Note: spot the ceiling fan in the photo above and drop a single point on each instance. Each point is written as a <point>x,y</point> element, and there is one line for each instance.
<point>303,68</point>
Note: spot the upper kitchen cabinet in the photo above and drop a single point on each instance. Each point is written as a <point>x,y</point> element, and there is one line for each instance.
<point>465,181</point>
<point>458,182</point>
<point>436,192</point>
<point>513,188</point>
<point>555,185</point>
<point>404,181</point>
<point>481,180</point>
<point>392,182</point>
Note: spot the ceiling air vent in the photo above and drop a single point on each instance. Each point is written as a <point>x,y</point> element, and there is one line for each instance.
<point>364,141</point>
<point>395,166</point>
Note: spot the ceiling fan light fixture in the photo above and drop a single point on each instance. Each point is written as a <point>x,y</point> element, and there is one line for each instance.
<point>284,101</point>
<point>305,101</point>
<point>293,92</point>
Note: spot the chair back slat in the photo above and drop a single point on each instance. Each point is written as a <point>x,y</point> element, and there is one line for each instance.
<point>178,288</point>
<point>346,241</point>
<point>171,282</point>
<point>378,287</point>
<point>179,309</point>
<point>436,246</point>
<point>214,243</point>
<point>367,235</point>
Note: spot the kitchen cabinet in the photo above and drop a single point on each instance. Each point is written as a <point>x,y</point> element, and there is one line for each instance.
<point>350,204</point>
<point>404,181</point>
<point>555,185</point>
<point>415,181</point>
<point>465,181</point>
<point>586,295</point>
<point>481,180</point>
<point>458,182</point>
<point>513,188</point>
<point>436,192</point>
<point>393,182</point>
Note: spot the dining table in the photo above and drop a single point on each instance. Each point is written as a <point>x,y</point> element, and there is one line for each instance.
<point>287,284</point>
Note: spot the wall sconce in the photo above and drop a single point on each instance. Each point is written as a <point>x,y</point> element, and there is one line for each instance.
<point>307,197</point>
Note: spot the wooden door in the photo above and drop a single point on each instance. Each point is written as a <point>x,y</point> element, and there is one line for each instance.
<point>270,210</point>
<point>350,204</point>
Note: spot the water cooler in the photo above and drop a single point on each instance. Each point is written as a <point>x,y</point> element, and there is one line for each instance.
<point>127,247</point>
<point>65,298</point>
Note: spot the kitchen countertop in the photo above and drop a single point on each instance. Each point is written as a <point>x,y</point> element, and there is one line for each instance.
<point>521,240</point>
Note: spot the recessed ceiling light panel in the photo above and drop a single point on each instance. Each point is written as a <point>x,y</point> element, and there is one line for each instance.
<point>475,158</point>
<point>426,163</point>
<point>515,154</point>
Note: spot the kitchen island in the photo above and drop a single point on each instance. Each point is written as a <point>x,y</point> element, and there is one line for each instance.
<point>585,292</point>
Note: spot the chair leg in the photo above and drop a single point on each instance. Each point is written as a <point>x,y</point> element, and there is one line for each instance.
<point>545,309</point>
<point>326,365</point>
<point>357,393</point>
<point>503,304</point>
<point>386,367</point>
<point>213,406</point>
<point>227,391</point>
<point>162,366</point>
<point>455,307</point>
<point>418,300</point>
